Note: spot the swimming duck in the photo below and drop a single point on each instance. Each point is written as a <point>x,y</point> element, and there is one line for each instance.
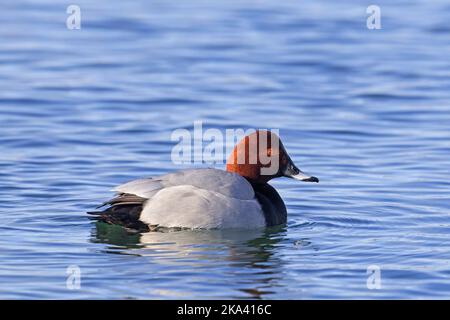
<point>239,197</point>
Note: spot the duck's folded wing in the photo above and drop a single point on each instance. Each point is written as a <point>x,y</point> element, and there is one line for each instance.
<point>225,183</point>
<point>135,195</point>
<point>144,188</point>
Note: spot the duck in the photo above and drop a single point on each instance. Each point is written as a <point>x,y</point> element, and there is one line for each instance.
<point>239,197</point>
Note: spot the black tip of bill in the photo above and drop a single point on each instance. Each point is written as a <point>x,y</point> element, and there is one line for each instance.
<point>311,179</point>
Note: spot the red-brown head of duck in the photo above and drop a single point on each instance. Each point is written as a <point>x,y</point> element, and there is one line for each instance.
<point>261,156</point>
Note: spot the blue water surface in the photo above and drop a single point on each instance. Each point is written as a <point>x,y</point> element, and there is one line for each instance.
<point>367,111</point>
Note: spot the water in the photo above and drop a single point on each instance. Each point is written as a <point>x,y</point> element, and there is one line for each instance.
<point>367,111</point>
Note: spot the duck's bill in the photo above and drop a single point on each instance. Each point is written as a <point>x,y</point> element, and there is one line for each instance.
<point>293,172</point>
<point>304,177</point>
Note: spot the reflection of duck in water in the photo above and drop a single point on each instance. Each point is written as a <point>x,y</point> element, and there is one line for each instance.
<point>256,242</point>
<point>250,250</point>
<point>209,198</point>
